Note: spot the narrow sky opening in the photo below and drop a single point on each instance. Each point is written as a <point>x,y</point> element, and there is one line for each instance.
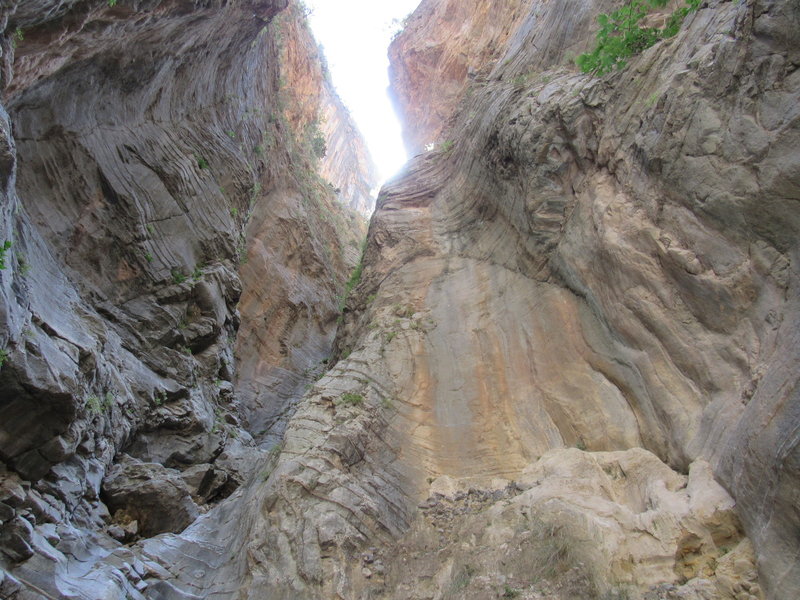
<point>355,35</point>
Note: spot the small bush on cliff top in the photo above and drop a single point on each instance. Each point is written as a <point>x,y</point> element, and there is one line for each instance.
<point>621,36</point>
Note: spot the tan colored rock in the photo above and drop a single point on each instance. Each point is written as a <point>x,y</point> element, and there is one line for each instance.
<point>442,47</point>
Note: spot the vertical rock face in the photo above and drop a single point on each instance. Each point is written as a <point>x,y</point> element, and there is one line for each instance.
<point>156,188</point>
<point>569,367</point>
<point>453,43</point>
<point>614,260</point>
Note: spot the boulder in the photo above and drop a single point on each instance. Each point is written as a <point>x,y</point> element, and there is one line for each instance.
<point>151,494</point>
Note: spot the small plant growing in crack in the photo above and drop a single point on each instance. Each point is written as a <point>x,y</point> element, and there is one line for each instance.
<point>178,276</point>
<point>201,162</point>
<point>3,249</point>
<point>17,37</point>
<point>351,399</point>
<point>96,405</point>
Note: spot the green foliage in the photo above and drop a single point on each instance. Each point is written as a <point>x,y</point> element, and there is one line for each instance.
<point>112,3</point>
<point>201,162</point>
<point>621,36</point>
<point>150,229</point>
<point>148,257</point>
<point>652,99</point>
<point>17,37</point>
<point>315,140</point>
<point>447,146</point>
<point>254,192</point>
<point>351,399</point>
<point>3,356</point>
<point>97,406</point>
<point>355,277</point>
<point>509,592</point>
<point>275,451</point>
<point>178,276</point>
<point>197,273</point>
<point>3,249</point>
<point>23,265</point>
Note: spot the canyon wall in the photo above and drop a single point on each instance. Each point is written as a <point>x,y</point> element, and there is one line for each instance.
<point>568,368</point>
<point>175,234</point>
<point>615,260</point>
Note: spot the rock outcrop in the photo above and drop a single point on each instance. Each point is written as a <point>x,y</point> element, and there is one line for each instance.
<point>613,260</point>
<point>154,182</point>
<point>568,369</point>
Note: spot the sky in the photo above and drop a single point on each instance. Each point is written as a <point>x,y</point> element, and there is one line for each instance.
<point>355,35</point>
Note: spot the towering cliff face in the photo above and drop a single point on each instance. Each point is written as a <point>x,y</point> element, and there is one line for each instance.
<point>602,264</point>
<point>453,43</point>
<point>614,260</point>
<point>568,371</point>
<point>172,237</point>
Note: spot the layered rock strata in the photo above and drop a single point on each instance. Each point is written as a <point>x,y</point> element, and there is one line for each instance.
<point>569,369</point>
<point>612,259</point>
<point>156,189</point>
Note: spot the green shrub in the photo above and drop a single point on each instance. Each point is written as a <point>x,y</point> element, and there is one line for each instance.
<point>3,356</point>
<point>355,278</point>
<point>351,399</point>
<point>17,37</point>
<point>620,35</point>
<point>23,265</point>
<point>96,405</point>
<point>3,249</point>
<point>178,276</point>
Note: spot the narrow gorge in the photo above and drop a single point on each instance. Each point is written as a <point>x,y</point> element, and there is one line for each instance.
<point>563,364</point>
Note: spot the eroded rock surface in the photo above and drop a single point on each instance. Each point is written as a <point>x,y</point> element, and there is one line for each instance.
<point>569,369</point>
<point>155,497</point>
<point>146,147</point>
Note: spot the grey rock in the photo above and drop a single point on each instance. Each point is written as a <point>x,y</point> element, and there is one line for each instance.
<point>204,482</point>
<point>16,539</point>
<point>151,494</point>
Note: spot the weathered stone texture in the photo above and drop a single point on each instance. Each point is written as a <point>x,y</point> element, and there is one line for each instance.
<point>569,369</point>
<point>147,148</point>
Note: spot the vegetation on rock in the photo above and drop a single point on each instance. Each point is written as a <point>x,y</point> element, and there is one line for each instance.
<point>622,36</point>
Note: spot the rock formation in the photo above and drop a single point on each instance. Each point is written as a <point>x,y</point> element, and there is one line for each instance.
<point>568,368</point>
<point>156,189</point>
